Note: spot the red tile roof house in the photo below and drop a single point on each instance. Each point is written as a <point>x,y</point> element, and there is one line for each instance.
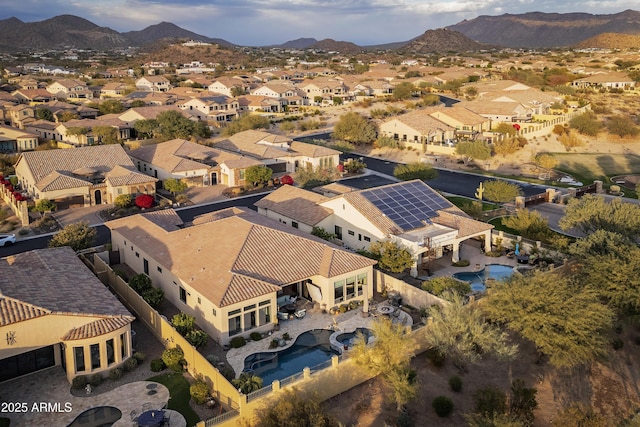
<point>55,312</point>
<point>229,267</point>
<point>81,176</point>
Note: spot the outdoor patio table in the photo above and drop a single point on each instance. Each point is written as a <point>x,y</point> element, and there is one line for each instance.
<point>385,309</point>
<point>154,418</point>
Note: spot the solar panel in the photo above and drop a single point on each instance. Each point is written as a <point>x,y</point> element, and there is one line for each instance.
<point>409,204</point>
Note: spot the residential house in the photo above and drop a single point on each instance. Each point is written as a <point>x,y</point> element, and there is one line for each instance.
<point>21,114</point>
<point>229,86</point>
<point>153,84</point>
<point>417,129</point>
<point>81,176</point>
<point>325,88</point>
<point>467,123</point>
<point>219,109</point>
<point>149,112</point>
<point>32,96</point>
<point>231,282</point>
<point>55,312</point>
<point>197,164</point>
<point>152,98</point>
<point>13,140</point>
<point>44,129</point>
<point>260,103</point>
<point>612,80</point>
<point>280,153</point>
<point>70,89</point>
<point>66,131</point>
<point>114,90</point>
<point>410,213</point>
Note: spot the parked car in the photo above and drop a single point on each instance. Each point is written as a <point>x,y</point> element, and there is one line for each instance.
<point>7,239</point>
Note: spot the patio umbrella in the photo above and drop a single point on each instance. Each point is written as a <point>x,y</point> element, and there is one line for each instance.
<point>517,249</point>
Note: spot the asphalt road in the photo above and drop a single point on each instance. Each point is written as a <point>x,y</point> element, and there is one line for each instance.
<point>447,181</point>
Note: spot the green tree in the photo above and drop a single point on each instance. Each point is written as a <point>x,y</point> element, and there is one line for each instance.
<point>309,176</point>
<point>500,191</point>
<point>564,319</point>
<point>505,129</point>
<point>111,106</point>
<point>247,382</point>
<point>44,114</point>
<point>172,124</point>
<point>146,128</point>
<point>417,170</point>
<point>257,174</point>
<point>355,166</point>
<point>622,126</point>
<point>173,358</point>
<point>237,91</point>
<point>154,297</point>
<point>473,150</point>
<point>293,409</point>
<point>105,134</point>
<point>529,224</point>
<point>77,235</point>
<point>461,332</point>
<point>354,128</point>
<point>592,212</point>
<point>183,323</point>
<point>403,90</point>
<point>77,130</point>
<point>247,122</point>
<point>444,285</point>
<point>140,283</point>
<point>389,356</point>
<point>337,100</point>
<point>586,124</point>
<point>322,233</point>
<point>67,115</point>
<point>45,205</point>
<point>137,103</point>
<point>545,161</point>
<point>391,256</point>
<point>174,185</point>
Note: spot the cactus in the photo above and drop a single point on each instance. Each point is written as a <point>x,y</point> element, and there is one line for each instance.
<point>480,191</point>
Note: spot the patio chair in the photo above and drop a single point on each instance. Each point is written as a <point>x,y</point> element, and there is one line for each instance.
<point>134,417</point>
<point>301,313</point>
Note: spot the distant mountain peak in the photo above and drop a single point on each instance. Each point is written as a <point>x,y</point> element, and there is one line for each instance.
<point>442,40</point>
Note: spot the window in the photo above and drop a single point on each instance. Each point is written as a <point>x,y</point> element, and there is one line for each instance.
<point>123,345</point>
<point>359,237</point>
<point>111,355</point>
<point>264,315</point>
<point>338,232</point>
<point>367,238</point>
<point>199,301</point>
<point>183,295</point>
<point>95,356</point>
<point>119,191</point>
<point>79,357</point>
<point>351,233</point>
<point>234,325</point>
<point>137,254</point>
<point>338,291</point>
<point>351,287</point>
<point>294,224</point>
<point>361,283</point>
<point>241,174</point>
<point>215,313</point>
<point>250,307</point>
<point>145,266</point>
<point>159,269</point>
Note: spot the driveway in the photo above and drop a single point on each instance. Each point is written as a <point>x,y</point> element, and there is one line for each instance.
<point>86,214</point>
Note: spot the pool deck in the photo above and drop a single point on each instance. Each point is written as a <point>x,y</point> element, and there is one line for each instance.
<point>315,319</point>
<point>51,387</point>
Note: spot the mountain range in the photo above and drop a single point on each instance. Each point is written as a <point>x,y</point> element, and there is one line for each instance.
<point>527,30</point>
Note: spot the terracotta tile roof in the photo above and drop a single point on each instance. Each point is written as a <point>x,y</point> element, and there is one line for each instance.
<point>312,150</point>
<point>96,328</point>
<point>53,281</point>
<point>296,203</point>
<point>419,120</point>
<point>121,175</point>
<point>236,246</point>
<point>335,188</point>
<point>101,157</point>
<point>14,311</point>
<point>57,181</point>
<point>166,219</point>
<point>458,220</point>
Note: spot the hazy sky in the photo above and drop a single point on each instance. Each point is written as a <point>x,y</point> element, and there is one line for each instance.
<point>264,22</point>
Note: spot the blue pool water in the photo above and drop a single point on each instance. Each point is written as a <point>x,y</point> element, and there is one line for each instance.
<point>491,271</point>
<point>349,338</point>
<point>310,349</point>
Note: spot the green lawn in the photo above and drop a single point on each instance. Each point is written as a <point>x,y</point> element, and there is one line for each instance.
<point>590,167</point>
<point>462,202</point>
<point>179,391</point>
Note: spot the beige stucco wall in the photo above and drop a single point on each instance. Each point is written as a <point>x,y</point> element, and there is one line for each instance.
<point>349,218</point>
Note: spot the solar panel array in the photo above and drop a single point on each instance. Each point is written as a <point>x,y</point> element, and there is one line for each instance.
<point>409,204</point>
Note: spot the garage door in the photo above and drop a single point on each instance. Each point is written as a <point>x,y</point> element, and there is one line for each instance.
<point>69,202</point>
<point>278,167</point>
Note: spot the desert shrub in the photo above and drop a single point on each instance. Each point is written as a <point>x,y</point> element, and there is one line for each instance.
<point>442,405</point>
<point>95,380</point>
<point>79,382</point>
<point>154,297</point>
<point>158,365</point>
<point>200,391</point>
<point>173,358</point>
<point>237,342</point>
<point>461,263</point>
<point>212,358</point>
<point>123,201</point>
<point>414,171</point>
<point>286,336</point>
<point>197,338</point>
<point>183,323</point>
<point>139,356</point>
<point>439,285</point>
<point>436,357</point>
<point>182,198</point>
<point>140,283</point>
<point>490,401</point>
<point>617,344</point>
<point>130,364</point>
<point>255,336</point>
<point>570,140</point>
<point>273,343</point>
<point>405,419</point>
<point>115,374</point>
<point>455,382</point>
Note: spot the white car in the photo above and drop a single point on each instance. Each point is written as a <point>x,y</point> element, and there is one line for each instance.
<point>7,239</point>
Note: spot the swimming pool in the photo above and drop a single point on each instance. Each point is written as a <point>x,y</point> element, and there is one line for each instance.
<point>349,338</point>
<point>477,279</point>
<point>100,416</point>
<point>310,349</point>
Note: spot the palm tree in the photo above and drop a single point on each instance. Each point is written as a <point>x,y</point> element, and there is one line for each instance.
<point>247,383</point>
